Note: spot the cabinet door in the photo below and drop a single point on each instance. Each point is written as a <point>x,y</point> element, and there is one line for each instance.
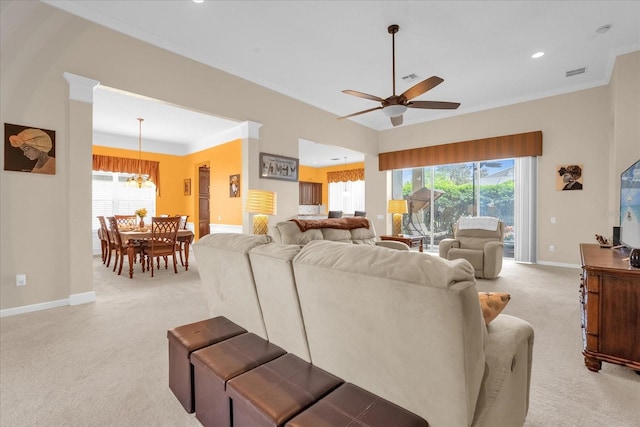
<point>317,194</point>
<point>305,193</point>
<point>620,317</point>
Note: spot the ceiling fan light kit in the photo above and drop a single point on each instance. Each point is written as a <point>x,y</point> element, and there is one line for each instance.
<point>396,105</point>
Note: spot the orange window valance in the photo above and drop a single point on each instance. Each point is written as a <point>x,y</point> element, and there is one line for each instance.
<point>126,165</point>
<point>499,147</point>
<point>347,175</point>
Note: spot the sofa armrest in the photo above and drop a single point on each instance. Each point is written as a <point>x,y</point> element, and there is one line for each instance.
<point>504,394</point>
<point>445,245</point>
<point>392,244</point>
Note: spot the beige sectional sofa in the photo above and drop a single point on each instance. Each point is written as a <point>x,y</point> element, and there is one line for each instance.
<point>404,325</point>
<point>289,233</point>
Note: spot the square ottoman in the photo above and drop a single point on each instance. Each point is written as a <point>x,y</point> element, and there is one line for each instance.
<point>217,364</point>
<point>350,405</point>
<point>275,392</point>
<point>186,339</point>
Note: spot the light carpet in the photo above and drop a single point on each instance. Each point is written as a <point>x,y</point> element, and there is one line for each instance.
<point>105,363</point>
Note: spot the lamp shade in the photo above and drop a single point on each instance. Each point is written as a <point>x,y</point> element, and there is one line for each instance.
<point>394,110</point>
<point>262,202</point>
<point>397,206</point>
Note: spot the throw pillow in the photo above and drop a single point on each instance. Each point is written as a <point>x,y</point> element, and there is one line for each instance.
<point>492,303</point>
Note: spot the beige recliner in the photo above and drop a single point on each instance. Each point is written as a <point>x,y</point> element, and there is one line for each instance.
<point>479,240</point>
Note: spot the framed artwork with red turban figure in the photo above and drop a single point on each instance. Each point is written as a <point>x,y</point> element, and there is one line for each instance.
<point>29,149</point>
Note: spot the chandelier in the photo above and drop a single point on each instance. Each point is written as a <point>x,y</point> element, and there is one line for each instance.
<point>139,180</point>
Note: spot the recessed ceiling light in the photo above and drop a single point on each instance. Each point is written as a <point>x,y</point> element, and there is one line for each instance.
<point>537,55</point>
<point>198,1</point>
<point>603,29</point>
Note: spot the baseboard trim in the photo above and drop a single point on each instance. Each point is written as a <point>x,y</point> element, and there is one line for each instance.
<point>558,264</point>
<point>74,299</point>
<point>83,298</point>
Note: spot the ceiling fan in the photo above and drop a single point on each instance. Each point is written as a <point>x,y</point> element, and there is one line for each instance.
<point>395,105</point>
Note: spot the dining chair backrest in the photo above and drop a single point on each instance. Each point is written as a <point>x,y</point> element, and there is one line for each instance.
<point>125,220</point>
<point>359,213</point>
<point>183,221</point>
<point>335,214</point>
<point>164,230</point>
<point>104,231</point>
<point>114,234</point>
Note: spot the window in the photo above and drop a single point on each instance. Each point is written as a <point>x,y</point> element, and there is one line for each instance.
<point>346,196</point>
<point>112,197</point>
<point>438,195</point>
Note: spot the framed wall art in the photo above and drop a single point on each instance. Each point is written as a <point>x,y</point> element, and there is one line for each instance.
<point>234,185</point>
<point>187,187</point>
<point>569,177</point>
<point>29,149</point>
<point>273,166</point>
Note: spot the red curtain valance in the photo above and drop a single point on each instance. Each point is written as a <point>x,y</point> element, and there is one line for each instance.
<point>347,175</point>
<point>126,165</point>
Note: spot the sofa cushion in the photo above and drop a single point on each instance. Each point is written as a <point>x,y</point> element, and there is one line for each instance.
<point>492,304</point>
<point>289,233</point>
<point>227,278</point>
<point>368,309</point>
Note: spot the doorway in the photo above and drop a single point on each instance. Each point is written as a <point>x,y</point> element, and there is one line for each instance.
<point>203,201</point>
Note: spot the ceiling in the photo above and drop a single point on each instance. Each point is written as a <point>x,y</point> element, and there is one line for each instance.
<point>312,50</point>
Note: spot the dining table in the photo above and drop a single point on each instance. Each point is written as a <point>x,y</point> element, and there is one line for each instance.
<point>131,237</point>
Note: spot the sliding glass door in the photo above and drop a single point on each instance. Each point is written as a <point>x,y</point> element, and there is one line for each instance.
<point>438,195</point>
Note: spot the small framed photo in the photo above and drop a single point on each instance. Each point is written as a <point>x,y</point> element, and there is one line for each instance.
<point>273,166</point>
<point>29,149</point>
<point>569,177</point>
<point>187,187</point>
<point>234,185</point>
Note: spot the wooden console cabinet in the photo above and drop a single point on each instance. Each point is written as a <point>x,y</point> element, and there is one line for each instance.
<point>610,308</point>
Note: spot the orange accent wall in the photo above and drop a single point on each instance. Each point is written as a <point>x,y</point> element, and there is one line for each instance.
<point>224,160</point>
<point>310,174</point>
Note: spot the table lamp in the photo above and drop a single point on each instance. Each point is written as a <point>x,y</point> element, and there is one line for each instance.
<point>397,208</point>
<point>261,203</point>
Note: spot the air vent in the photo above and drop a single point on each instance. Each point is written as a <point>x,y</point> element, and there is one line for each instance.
<point>410,77</point>
<point>576,71</point>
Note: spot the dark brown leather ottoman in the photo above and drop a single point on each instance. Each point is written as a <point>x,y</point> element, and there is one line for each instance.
<point>218,363</point>
<point>186,339</point>
<point>273,393</point>
<point>350,405</point>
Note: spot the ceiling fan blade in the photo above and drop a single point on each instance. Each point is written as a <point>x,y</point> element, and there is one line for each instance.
<point>360,112</point>
<point>422,87</point>
<point>434,105</point>
<point>396,120</point>
<point>362,95</point>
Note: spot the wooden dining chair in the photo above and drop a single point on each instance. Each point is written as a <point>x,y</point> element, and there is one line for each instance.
<point>164,233</point>
<point>120,249</point>
<point>182,240</point>
<point>106,242</point>
<point>126,221</point>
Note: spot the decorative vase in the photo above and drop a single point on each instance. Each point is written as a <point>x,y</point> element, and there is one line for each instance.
<point>634,258</point>
<point>141,225</point>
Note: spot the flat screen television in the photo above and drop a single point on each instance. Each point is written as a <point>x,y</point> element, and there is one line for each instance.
<point>630,206</point>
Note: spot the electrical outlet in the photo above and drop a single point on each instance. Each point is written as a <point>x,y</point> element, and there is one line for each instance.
<point>21,280</point>
<point>553,220</point>
<point>552,248</point>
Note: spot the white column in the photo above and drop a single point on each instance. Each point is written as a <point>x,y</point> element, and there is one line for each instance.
<point>79,159</point>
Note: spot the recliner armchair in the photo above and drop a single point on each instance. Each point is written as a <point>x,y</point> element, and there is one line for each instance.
<point>479,240</point>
